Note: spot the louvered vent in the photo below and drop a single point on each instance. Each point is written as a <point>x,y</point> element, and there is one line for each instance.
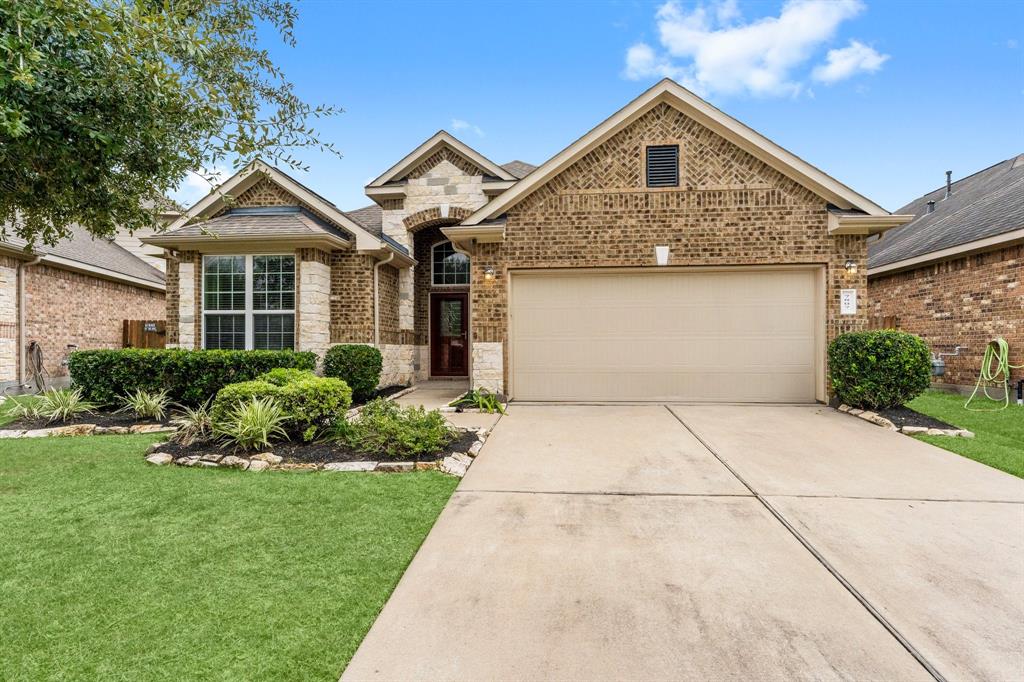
<point>663,165</point>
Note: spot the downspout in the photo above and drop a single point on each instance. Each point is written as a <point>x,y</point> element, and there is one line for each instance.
<point>22,303</point>
<point>376,297</point>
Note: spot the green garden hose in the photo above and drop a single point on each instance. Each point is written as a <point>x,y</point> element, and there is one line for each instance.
<point>995,369</point>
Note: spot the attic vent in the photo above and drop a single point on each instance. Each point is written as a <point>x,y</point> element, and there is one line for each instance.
<point>663,165</point>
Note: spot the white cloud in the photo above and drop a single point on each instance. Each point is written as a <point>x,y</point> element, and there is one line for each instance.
<point>459,124</point>
<point>844,62</point>
<point>712,50</point>
<point>195,186</point>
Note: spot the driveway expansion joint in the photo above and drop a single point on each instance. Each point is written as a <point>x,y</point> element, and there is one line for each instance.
<point>911,649</point>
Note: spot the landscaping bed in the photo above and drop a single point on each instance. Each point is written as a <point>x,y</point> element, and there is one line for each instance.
<point>904,416</point>
<point>102,418</point>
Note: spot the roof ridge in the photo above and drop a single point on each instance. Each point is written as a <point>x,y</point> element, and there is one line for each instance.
<point>966,177</point>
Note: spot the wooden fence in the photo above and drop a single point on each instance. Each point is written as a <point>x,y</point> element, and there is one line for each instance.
<point>143,333</point>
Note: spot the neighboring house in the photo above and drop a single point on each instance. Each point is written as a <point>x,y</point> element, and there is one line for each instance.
<point>953,274</point>
<point>132,241</point>
<point>76,293</point>
<point>669,253</point>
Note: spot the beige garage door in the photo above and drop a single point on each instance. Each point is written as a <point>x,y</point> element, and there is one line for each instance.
<point>745,335</point>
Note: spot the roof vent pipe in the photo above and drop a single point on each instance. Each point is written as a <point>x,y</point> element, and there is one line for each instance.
<point>931,207</point>
<point>949,183</point>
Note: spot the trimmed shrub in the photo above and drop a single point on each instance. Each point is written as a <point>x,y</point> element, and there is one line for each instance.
<point>357,365</point>
<point>310,403</point>
<point>879,369</point>
<point>383,426</point>
<point>190,377</point>
<point>282,376</point>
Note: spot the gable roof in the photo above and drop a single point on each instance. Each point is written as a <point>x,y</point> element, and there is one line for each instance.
<point>362,239</point>
<point>83,252</point>
<point>371,217</point>
<point>982,207</point>
<point>675,95</point>
<point>437,141</point>
<point>520,169</point>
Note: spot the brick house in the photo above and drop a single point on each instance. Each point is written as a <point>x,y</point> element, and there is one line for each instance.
<point>76,293</point>
<point>669,253</point>
<point>953,274</point>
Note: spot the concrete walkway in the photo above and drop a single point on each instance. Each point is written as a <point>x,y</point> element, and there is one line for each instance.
<point>712,542</point>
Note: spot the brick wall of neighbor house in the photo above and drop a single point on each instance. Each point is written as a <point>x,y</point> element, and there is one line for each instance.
<point>64,307</point>
<point>965,301</point>
<point>730,209</point>
<point>8,319</point>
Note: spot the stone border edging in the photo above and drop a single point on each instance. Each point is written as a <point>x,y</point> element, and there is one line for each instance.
<point>84,430</point>
<point>455,464</point>
<point>879,420</point>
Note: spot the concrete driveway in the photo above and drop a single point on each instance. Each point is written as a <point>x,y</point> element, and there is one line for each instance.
<point>710,542</point>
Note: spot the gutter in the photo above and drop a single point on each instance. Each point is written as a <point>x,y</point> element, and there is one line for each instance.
<point>376,297</point>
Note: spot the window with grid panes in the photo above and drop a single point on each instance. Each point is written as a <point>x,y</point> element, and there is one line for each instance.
<point>249,302</point>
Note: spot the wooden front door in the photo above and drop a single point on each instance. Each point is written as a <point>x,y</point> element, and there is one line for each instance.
<point>449,335</point>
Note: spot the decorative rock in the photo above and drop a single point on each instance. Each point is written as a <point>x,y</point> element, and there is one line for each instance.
<point>474,449</point>
<point>211,457</point>
<point>236,462</point>
<point>204,463</point>
<point>856,412</point>
<point>154,447</point>
<point>150,428</point>
<point>455,467</point>
<point>268,457</point>
<point>395,467</point>
<point>189,461</point>
<point>73,430</point>
<point>160,458</point>
<point>37,433</point>
<point>883,422</point>
<point>111,430</point>
<point>11,433</point>
<point>911,430</point>
<point>258,465</point>
<point>426,466</point>
<point>463,458</point>
<point>964,433</point>
<point>350,466</point>
<point>867,415</point>
<point>449,408</point>
<point>844,408</point>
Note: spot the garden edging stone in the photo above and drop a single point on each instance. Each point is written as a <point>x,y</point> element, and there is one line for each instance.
<point>879,420</point>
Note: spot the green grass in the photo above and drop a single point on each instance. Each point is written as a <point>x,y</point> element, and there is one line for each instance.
<point>999,436</point>
<point>113,569</point>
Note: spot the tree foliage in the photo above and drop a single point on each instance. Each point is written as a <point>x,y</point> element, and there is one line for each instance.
<point>106,105</point>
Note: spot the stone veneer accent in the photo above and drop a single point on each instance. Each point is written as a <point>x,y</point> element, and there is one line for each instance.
<point>965,301</point>
<point>489,366</point>
<point>730,209</point>
<point>313,304</point>
<point>8,319</point>
<point>188,318</point>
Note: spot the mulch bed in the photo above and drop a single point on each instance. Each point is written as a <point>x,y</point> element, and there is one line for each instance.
<point>101,417</point>
<point>321,452</point>
<point>904,416</point>
<point>381,393</point>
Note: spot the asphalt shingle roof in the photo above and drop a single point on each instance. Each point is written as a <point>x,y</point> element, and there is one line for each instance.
<point>239,223</point>
<point>986,204</point>
<point>520,169</point>
<point>371,218</point>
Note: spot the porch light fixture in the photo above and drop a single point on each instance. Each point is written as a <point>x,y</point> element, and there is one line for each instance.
<point>661,255</point>
<point>851,266</point>
<point>488,272</point>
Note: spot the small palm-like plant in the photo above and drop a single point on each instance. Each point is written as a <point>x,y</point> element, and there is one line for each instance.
<point>62,404</point>
<point>192,424</point>
<point>253,424</point>
<point>144,404</point>
<point>482,399</point>
<point>24,407</point>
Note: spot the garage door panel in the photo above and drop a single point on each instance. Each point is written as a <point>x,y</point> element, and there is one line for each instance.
<point>686,335</point>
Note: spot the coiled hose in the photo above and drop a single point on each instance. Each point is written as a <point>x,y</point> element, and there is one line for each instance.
<point>995,369</point>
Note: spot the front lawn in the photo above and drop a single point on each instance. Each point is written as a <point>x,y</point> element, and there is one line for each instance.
<point>999,436</point>
<point>114,569</point>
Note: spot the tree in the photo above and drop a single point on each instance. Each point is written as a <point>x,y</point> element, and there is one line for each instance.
<point>106,105</point>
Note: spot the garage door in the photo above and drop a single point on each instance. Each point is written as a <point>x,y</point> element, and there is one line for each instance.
<point>744,335</point>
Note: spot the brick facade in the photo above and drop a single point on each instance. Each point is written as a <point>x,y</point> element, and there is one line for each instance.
<point>964,301</point>
<point>730,209</point>
<point>64,307</point>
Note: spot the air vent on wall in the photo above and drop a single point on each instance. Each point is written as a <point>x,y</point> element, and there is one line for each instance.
<point>663,165</point>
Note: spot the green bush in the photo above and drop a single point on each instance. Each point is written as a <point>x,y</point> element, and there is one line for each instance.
<point>190,377</point>
<point>357,365</point>
<point>383,426</point>
<point>879,369</point>
<point>285,375</point>
<point>310,403</point>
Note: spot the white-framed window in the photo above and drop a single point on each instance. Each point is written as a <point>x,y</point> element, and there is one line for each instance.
<point>448,267</point>
<point>249,302</point>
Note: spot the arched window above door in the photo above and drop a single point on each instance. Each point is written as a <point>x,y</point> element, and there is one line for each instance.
<point>448,266</point>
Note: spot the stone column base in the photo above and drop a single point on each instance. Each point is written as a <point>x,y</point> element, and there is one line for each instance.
<point>489,366</point>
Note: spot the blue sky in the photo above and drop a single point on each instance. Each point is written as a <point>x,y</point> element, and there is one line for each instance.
<point>884,96</point>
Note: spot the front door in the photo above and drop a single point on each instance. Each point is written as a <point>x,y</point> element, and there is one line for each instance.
<point>449,335</point>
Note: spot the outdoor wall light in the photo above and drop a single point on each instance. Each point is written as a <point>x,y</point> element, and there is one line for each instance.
<point>851,266</point>
<point>661,255</point>
<point>488,272</point>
